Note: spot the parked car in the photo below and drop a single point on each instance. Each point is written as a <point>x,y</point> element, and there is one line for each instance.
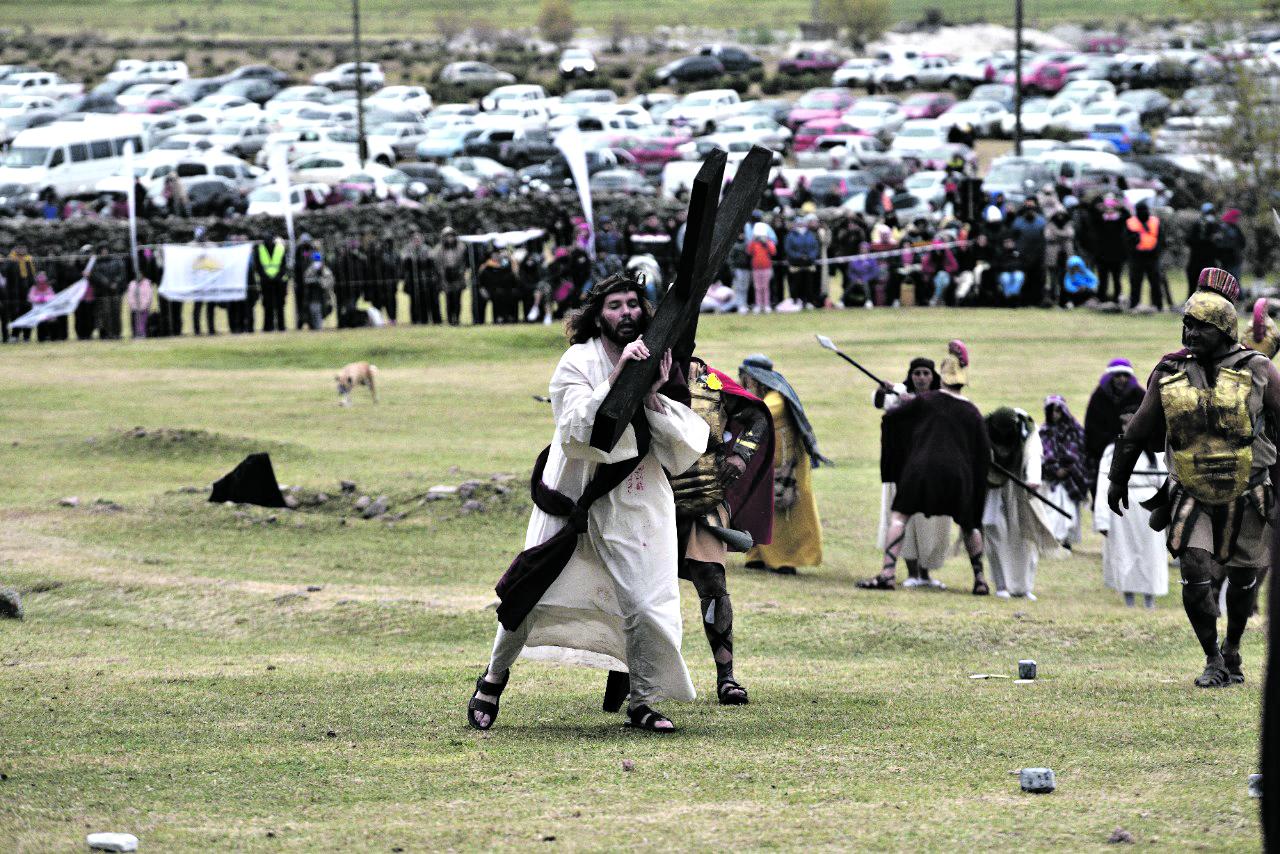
<point>1087,91</point>
<point>512,147</point>
<point>926,71</point>
<point>700,111</point>
<point>479,73</point>
<point>689,69</point>
<point>134,95</point>
<point>194,88</point>
<point>1016,178</point>
<point>414,98</point>
<point>810,61</point>
<point>1152,104</point>
<point>577,62</point>
<point>1001,93</point>
<point>623,181</point>
<point>1039,115</point>
<point>403,137</point>
<point>929,185</point>
<point>213,195</point>
<point>843,151</point>
<point>880,118</point>
<point>985,117</point>
<point>919,135</point>
<point>760,129</point>
<point>734,59</point>
<point>1105,112</point>
<point>259,72</point>
<point>927,105</point>
<point>15,104</point>
<point>855,72</point>
<point>243,138</point>
<point>343,76</point>
<point>820,104</point>
<point>521,93</point>
<point>267,200</point>
<point>1123,139</point>
<point>256,89</point>
<point>833,188</point>
<point>39,83</point>
<point>808,134</point>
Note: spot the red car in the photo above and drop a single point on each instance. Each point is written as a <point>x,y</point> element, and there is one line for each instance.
<point>810,62</point>
<point>654,149</point>
<point>808,133</point>
<point>928,105</point>
<point>820,104</point>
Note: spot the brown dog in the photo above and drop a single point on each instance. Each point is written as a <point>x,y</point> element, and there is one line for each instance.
<point>354,374</point>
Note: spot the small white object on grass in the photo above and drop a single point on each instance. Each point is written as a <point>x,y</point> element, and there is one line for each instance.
<point>112,841</point>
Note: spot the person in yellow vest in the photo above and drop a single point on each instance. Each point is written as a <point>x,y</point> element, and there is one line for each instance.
<point>1146,245</point>
<point>1215,403</point>
<point>272,274</point>
<point>797,532</point>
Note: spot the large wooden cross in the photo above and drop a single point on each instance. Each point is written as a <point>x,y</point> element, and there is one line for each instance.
<point>712,227</point>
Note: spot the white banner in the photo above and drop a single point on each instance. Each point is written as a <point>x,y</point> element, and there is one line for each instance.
<point>206,273</point>
<point>62,304</point>
<point>569,141</point>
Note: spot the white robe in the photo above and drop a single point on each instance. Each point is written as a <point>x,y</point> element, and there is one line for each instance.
<point>617,601</point>
<point>1015,527</point>
<point>1134,559</point>
<point>1064,530</point>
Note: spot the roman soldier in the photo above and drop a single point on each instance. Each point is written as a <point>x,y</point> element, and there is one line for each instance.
<point>724,503</point>
<point>1214,403</point>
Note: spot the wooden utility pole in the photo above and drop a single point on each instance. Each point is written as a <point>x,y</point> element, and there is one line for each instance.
<point>362,144</point>
<point>1017,78</point>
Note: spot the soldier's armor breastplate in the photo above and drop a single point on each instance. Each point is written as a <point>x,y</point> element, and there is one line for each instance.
<point>1210,433</point>
<point>698,490</point>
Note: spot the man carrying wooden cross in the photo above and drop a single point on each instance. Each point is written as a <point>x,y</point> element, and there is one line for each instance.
<point>596,583</point>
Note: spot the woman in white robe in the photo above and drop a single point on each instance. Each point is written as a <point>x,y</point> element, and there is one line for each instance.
<point>1134,560</point>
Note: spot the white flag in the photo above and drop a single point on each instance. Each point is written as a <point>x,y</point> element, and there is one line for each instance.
<point>62,304</point>
<point>569,141</point>
<point>206,273</point>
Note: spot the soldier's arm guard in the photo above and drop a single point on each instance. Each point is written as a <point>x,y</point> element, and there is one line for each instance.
<point>753,433</point>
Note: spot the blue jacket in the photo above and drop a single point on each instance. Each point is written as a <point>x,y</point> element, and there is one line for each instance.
<point>1079,277</point>
<point>801,247</point>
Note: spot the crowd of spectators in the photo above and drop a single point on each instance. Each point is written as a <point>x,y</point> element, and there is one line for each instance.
<point>1051,250</point>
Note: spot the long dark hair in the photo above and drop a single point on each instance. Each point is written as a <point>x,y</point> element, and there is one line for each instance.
<point>584,324</point>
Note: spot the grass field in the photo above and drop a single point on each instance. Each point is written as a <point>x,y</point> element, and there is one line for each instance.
<point>410,19</point>
<point>174,679</point>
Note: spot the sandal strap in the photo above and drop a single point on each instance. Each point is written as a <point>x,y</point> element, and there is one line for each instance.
<point>644,717</point>
<point>476,705</point>
<point>729,685</point>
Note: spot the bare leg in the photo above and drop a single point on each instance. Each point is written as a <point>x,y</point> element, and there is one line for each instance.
<point>973,545</point>
<point>894,537</point>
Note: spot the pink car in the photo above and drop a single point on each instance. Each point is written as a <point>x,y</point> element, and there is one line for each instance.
<point>810,62</point>
<point>652,150</point>
<point>928,105</point>
<point>808,133</point>
<point>820,104</point>
<point>1046,77</point>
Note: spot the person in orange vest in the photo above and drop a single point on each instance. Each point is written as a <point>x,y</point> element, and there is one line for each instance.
<point>1146,244</point>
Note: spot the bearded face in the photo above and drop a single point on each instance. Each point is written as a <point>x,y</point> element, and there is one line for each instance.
<point>622,320</point>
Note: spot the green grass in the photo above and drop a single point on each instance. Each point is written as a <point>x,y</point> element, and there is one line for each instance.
<point>167,683</point>
<point>412,19</point>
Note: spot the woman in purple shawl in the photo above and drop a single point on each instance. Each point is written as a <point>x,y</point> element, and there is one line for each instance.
<point>1117,389</point>
<point>1064,469</point>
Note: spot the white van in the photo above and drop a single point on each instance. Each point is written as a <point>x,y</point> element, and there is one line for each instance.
<point>69,157</point>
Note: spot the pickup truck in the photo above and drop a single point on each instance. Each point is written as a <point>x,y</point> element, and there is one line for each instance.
<point>40,83</point>
<point>511,146</point>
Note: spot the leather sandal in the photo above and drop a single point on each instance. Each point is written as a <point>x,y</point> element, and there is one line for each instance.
<point>644,718</point>
<point>878,582</point>
<point>493,689</point>
<point>730,693</point>
<point>980,587</point>
<point>1215,675</point>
